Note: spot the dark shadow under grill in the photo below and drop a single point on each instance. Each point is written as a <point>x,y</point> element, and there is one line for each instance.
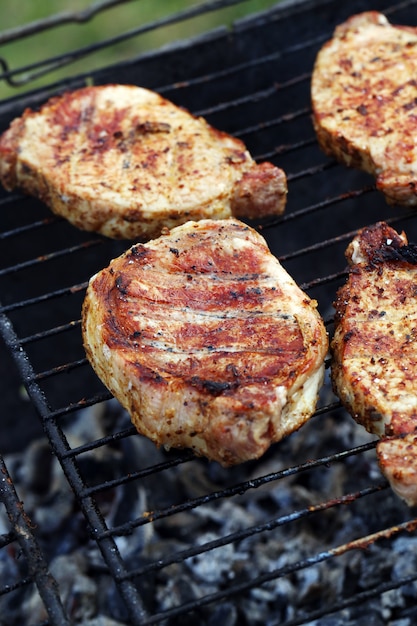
<point>309,532</point>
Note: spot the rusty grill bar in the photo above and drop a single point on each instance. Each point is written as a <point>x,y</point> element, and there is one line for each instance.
<point>254,83</point>
<point>37,566</point>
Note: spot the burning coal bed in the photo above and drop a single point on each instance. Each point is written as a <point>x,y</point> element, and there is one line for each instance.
<point>88,592</point>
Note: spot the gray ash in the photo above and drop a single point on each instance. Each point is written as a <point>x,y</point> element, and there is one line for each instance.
<point>274,528</point>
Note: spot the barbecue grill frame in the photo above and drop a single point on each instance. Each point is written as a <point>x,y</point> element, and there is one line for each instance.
<point>150,68</point>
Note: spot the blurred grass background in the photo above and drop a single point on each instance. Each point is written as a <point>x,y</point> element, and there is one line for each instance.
<point>127,15</point>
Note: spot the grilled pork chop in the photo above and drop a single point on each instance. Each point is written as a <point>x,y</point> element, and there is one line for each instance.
<point>397,458</point>
<point>125,162</point>
<point>364,99</point>
<point>206,340</point>
<point>374,368</point>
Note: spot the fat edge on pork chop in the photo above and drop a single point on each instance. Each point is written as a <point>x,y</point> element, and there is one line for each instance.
<point>206,341</point>
<point>125,162</point>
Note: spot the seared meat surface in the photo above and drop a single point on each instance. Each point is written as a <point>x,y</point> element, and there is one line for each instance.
<point>364,99</point>
<point>125,162</point>
<point>374,368</point>
<point>206,340</point>
<point>397,458</point>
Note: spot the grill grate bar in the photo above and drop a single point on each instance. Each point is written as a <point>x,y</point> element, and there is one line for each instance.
<point>324,204</point>
<point>60,369</point>
<point>256,96</point>
<point>240,535</point>
<point>49,257</point>
<point>24,582</point>
<point>184,457</point>
<point>65,291</point>
<point>321,557</point>
<point>399,6</point>
<point>38,569</point>
<point>358,598</point>
<point>237,489</point>
<point>298,145</point>
<point>6,539</point>
<point>324,280</point>
<point>28,227</point>
<point>52,63</point>
<point>58,19</point>
<point>77,406</point>
<point>309,171</point>
<point>244,67</point>
<point>10,198</point>
<point>50,332</point>
<point>98,443</point>
<point>283,119</point>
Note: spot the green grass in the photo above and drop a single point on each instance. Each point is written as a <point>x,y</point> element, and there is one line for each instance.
<point>128,15</point>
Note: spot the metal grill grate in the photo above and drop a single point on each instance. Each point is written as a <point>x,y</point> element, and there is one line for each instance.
<point>22,535</point>
<point>254,83</point>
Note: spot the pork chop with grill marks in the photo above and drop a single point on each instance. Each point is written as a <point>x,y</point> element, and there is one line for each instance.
<point>206,340</point>
<point>125,162</point>
<point>374,367</point>
<point>364,99</point>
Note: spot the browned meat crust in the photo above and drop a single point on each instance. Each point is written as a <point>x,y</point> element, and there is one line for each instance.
<point>397,458</point>
<point>125,162</point>
<point>374,347</point>
<point>364,99</point>
<point>206,341</point>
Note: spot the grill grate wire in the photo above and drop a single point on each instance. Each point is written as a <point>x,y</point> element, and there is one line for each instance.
<point>355,189</point>
<point>33,71</point>
<point>23,533</point>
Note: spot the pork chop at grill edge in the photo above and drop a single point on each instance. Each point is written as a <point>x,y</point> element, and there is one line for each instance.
<point>125,162</point>
<point>206,341</point>
<point>374,349</point>
<point>364,99</point>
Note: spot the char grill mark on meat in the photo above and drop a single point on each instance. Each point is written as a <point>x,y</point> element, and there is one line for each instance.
<point>125,162</point>
<point>374,367</point>
<point>364,99</point>
<point>206,340</point>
